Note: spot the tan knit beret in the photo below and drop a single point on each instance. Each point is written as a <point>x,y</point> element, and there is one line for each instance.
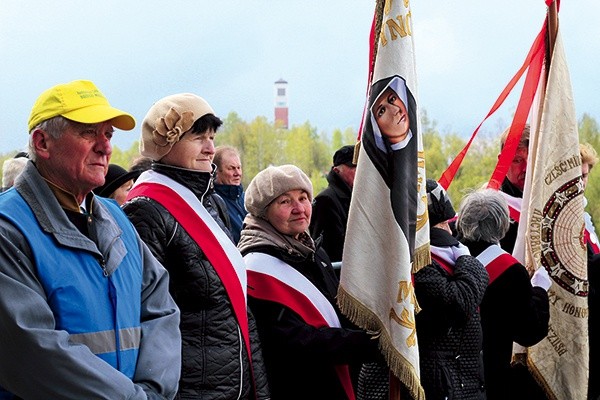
<point>167,120</point>
<point>271,183</point>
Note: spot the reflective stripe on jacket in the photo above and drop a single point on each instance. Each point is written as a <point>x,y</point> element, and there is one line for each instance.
<point>100,310</point>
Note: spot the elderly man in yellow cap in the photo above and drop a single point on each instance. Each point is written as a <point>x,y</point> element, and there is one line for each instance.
<point>85,311</point>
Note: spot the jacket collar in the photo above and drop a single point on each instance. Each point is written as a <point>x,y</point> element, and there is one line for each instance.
<point>229,191</point>
<point>54,221</point>
<point>337,183</point>
<point>199,182</point>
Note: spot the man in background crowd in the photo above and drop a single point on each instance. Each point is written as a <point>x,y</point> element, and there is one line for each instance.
<point>228,185</point>
<point>513,185</point>
<point>330,207</point>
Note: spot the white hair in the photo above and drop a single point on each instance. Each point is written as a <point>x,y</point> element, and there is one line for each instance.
<point>11,169</point>
<point>483,216</point>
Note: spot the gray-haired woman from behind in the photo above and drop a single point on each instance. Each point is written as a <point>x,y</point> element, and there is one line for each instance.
<point>515,308</point>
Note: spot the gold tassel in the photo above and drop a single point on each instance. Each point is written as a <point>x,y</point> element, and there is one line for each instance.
<point>363,317</point>
<point>421,258</point>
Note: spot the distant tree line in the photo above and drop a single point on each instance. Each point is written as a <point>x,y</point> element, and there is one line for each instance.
<point>262,143</point>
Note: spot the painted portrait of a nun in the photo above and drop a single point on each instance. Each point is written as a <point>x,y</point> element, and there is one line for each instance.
<point>389,139</point>
<point>389,114</point>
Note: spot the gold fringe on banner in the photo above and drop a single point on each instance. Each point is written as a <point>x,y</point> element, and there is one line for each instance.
<point>400,367</point>
<point>421,258</point>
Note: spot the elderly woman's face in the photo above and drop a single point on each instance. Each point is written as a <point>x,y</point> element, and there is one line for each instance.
<point>193,151</point>
<point>290,213</point>
<point>391,116</point>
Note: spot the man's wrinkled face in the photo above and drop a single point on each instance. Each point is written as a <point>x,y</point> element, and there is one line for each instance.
<point>517,168</point>
<point>76,161</point>
<point>347,173</point>
<point>230,171</point>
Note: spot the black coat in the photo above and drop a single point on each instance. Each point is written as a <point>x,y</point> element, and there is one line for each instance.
<point>511,311</point>
<point>212,367</point>
<point>449,326</point>
<point>301,359</point>
<point>594,322</point>
<point>508,241</point>
<point>330,216</point>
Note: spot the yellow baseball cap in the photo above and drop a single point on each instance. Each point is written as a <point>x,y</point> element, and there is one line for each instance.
<point>79,101</point>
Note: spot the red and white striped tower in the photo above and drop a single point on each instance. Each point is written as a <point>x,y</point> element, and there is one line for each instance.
<point>281,104</point>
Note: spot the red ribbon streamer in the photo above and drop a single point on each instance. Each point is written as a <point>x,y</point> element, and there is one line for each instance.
<point>533,63</point>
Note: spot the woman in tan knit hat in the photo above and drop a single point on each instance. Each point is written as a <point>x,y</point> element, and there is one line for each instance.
<point>174,214</point>
<point>307,343</point>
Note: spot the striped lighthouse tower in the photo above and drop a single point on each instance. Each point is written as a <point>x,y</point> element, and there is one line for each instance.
<point>281,104</point>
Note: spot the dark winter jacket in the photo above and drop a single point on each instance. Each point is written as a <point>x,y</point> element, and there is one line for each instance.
<point>233,196</point>
<point>215,359</point>
<point>301,359</point>
<point>330,216</point>
<point>508,241</point>
<point>594,310</point>
<point>449,325</point>
<point>512,310</point>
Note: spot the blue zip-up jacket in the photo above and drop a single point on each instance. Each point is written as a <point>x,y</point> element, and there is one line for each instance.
<point>81,318</point>
<point>234,198</point>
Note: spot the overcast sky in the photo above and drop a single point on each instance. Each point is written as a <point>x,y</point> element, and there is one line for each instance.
<point>232,52</point>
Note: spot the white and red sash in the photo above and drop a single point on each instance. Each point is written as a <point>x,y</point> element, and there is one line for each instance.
<point>271,279</point>
<point>496,261</point>
<point>448,267</point>
<point>514,211</point>
<point>446,256</point>
<point>187,209</point>
<point>514,206</point>
<point>590,233</point>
